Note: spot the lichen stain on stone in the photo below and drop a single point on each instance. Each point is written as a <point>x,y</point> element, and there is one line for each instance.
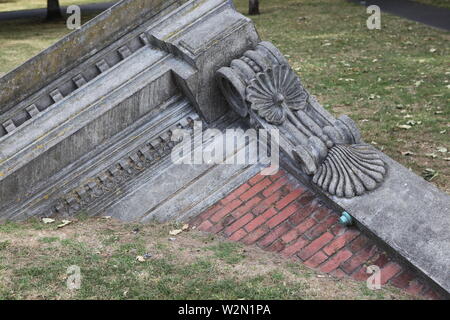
<point>61,133</point>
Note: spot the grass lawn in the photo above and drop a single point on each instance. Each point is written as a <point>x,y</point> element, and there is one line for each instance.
<point>12,5</point>
<point>35,257</point>
<point>437,3</point>
<point>394,82</point>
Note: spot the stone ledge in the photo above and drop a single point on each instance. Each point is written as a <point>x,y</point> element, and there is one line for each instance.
<point>411,216</point>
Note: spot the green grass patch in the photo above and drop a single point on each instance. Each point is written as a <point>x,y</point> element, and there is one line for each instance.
<point>48,239</point>
<point>436,3</point>
<point>383,79</point>
<point>13,5</point>
<point>37,263</point>
<point>230,252</point>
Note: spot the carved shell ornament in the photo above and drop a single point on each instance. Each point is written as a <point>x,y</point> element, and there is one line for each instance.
<point>273,93</point>
<point>347,170</point>
<point>350,170</point>
<point>262,87</point>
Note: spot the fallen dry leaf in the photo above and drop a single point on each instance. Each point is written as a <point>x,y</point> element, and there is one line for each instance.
<point>429,174</point>
<point>140,258</point>
<point>175,232</point>
<point>48,220</point>
<point>63,223</point>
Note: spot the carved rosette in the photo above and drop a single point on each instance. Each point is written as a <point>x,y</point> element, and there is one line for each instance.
<point>274,93</point>
<point>262,87</point>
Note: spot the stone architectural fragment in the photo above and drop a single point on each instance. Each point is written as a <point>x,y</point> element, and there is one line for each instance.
<point>263,88</point>
<point>87,125</point>
<point>89,130</point>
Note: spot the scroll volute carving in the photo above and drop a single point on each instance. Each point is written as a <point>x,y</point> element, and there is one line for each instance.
<point>262,87</point>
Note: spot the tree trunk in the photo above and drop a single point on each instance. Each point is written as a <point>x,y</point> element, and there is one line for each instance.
<point>53,10</point>
<point>253,7</point>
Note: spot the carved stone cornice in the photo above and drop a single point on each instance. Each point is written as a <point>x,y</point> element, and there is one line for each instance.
<point>262,87</point>
<point>125,169</point>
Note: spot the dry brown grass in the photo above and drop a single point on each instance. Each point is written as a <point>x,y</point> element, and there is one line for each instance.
<point>34,258</point>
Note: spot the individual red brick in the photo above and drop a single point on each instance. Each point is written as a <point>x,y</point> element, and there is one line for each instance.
<point>205,225</point>
<point>433,295</point>
<point>358,259</point>
<point>316,259</point>
<point>291,235</point>
<point>236,193</point>
<point>225,210</point>
<point>266,203</point>
<point>216,228</point>
<point>301,214</point>
<point>259,220</point>
<point>283,215</point>
<point>255,189</point>
<point>239,223</point>
<point>195,222</point>
<point>338,273</point>
<point>415,287</point>
<point>340,241</point>
<point>228,220</point>
<point>288,199</point>
<point>274,187</point>
<point>334,262</point>
<point>274,234</point>
<point>321,227</point>
<point>269,213</point>
<point>321,213</point>
<point>256,179</point>
<point>338,229</point>
<point>294,247</point>
<point>255,223</point>
<point>255,235</point>
<point>277,175</point>
<point>315,246</point>
<point>361,274</point>
<point>358,243</point>
<point>276,246</point>
<point>298,230</point>
<point>380,260</point>
<point>209,212</point>
<point>244,208</point>
<point>403,279</point>
<point>389,271</point>
<point>305,225</point>
<point>307,198</point>
<point>238,235</point>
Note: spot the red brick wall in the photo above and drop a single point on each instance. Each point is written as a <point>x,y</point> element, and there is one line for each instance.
<point>279,215</point>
